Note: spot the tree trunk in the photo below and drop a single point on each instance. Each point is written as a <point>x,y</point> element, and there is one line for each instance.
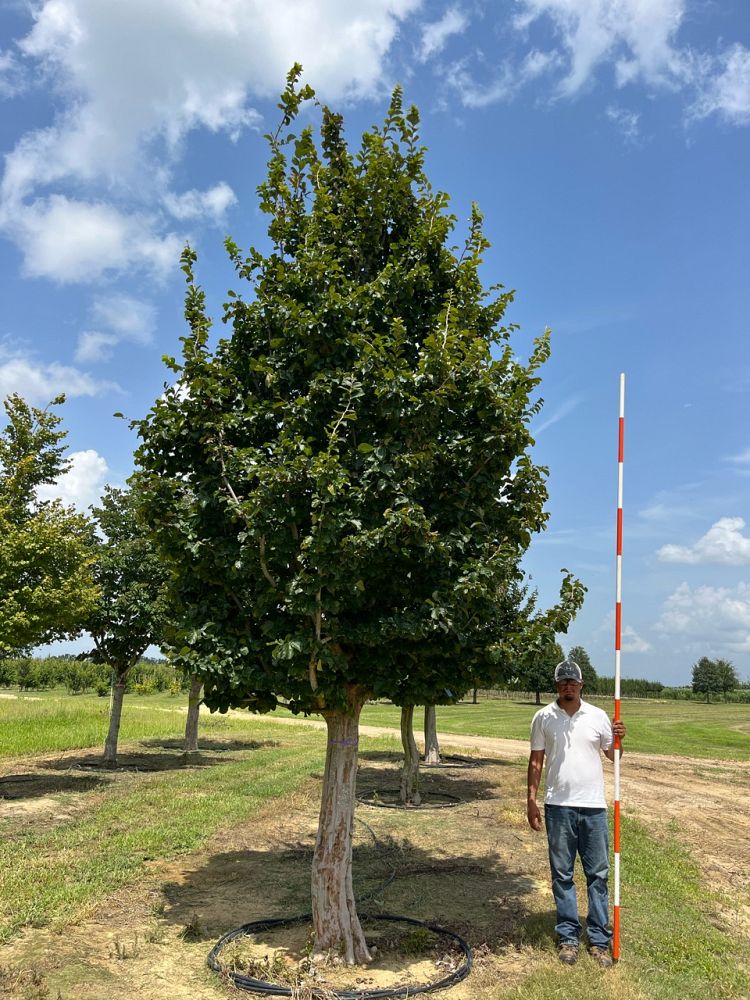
<point>474,693</point>
<point>335,922</point>
<point>410,774</point>
<point>191,725</point>
<point>538,697</point>
<point>115,715</point>
<point>431,745</point>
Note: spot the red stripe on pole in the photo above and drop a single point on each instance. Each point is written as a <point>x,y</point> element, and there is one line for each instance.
<point>617,713</point>
<point>617,827</point>
<point>618,623</point>
<point>616,939</point>
<point>619,531</point>
<point>621,448</point>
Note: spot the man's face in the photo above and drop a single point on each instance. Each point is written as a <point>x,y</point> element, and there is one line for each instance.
<point>568,691</point>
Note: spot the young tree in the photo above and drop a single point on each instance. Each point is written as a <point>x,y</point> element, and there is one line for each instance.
<point>190,744</point>
<point>46,586</point>
<point>707,678</point>
<point>538,669</point>
<point>341,483</point>
<point>727,676</point>
<point>130,613</point>
<point>581,657</point>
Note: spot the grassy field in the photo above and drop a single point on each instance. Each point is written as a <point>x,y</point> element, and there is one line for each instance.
<point>58,866</point>
<point>691,729</point>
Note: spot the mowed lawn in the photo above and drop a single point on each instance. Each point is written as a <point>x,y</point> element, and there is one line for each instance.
<point>51,720</point>
<point>683,728</point>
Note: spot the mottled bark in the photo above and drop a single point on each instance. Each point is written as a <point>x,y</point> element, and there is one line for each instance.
<point>191,725</point>
<point>431,745</point>
<point>410,773</point>
<point>115,716</point>
<point>336,925</point>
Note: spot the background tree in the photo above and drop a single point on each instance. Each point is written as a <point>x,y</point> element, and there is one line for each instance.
<point>537,670</point>
<point>707,678</point>
<point>727,676</point>
<point>340,485</point>
<point>46,585</point>
<point>581,657</point>
<point>130,613</point>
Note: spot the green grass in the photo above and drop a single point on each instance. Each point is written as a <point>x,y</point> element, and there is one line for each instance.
<point>682,728</point>
<point>50,876</point>
<point>670,951</point>
<point>48,721</point>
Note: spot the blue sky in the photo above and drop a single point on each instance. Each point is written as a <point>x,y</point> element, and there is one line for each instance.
<point>607,143</point>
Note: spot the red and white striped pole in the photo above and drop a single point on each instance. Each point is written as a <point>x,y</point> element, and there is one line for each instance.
<point>618,631</point>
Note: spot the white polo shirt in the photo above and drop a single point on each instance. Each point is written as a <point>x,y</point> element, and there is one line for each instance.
<point>573,745</point>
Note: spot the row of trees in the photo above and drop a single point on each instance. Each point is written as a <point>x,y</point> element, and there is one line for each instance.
<point>332,503</point>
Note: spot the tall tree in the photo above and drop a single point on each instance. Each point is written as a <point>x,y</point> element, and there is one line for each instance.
<point>130,613</point>
<point>727,675</point>
<point>707,678</point>
<point>537,670</point>
<point>581,657</point>
<point>341,483</point>
<point>46,585</point>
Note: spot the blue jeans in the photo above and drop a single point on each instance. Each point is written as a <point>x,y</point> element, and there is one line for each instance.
<point>572,831</point>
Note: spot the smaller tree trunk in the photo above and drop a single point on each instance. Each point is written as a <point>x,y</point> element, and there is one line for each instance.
<point>431,745</point>
<point>410,773</point>
<point>115,716</point>
<point>475,692</point>
<point>191,725</point>
<point>538,697</point>
<point>336,925</point>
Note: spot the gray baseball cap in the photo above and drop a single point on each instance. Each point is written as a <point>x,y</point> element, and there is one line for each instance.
<point>568,670</point>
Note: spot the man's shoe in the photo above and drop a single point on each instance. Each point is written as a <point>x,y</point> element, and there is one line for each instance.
<point>601,956</point>
<point>568,952</point>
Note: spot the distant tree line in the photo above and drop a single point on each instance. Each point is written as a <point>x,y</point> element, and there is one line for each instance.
<point>148,676</point>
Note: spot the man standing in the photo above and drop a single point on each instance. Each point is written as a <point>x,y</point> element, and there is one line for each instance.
<point>571,734</point>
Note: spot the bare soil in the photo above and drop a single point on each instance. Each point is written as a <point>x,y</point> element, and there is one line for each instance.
<point>476,868</point>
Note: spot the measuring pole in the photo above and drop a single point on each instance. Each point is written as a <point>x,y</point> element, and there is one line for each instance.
<point>618,630</point>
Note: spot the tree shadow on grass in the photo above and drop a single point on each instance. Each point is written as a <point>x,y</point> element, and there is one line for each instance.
<point>39,785</point>
<point>467,785</point>
<point>478,897</point>
<point>396,758</point>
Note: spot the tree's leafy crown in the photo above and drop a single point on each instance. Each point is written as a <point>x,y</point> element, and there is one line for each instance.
<point>342,486</point>
<point>46,586</point>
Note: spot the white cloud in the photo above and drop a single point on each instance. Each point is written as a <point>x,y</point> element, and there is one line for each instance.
<point>631,642</point>
<point>132,80</point>
<point>717,617</point>
<point>436,34</point>
<point>626,121</point>
<point>559,414</point>
<point>508,80</point>
<point>95,346</point>
<point>38,383</point>
<point>723,544</point>
<point>726,91</point>
<point>82,484</point>
<point>75,241</point>
<point>743,458</point>
<point>638,36</point>
<point>127,317</point>
<point>123,318</point>
<point>211,204</point>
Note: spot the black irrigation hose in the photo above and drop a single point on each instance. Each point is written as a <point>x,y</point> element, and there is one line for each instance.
<point>450,801</point>
<point>251,985</point>
<point>452,760</point>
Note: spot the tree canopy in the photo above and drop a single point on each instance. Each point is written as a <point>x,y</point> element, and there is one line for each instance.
<point>714,677</point>
<point>46,587</point>
<point>342,487</point>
